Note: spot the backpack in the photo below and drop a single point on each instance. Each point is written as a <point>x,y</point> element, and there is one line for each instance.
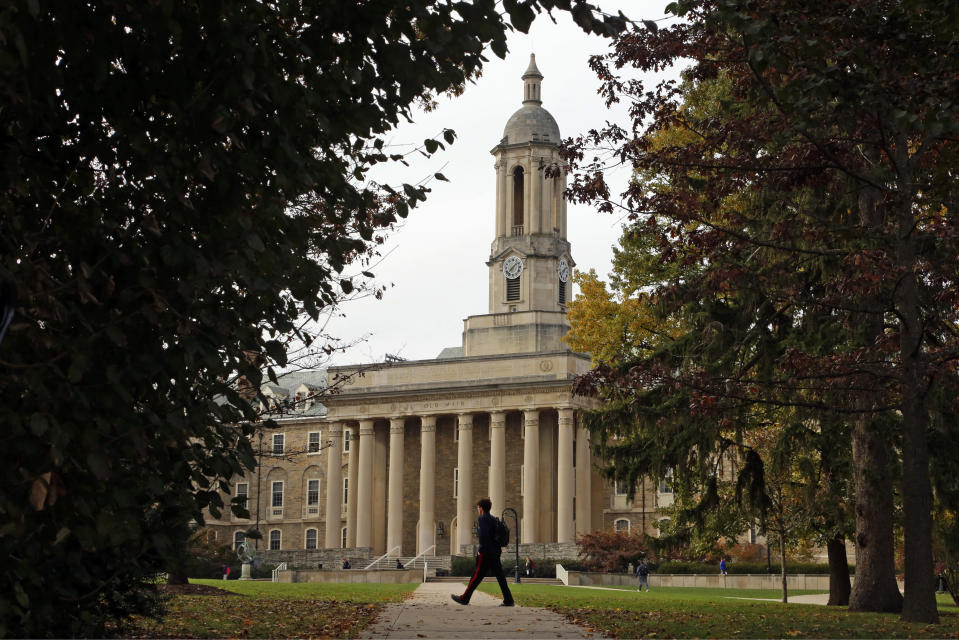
<point>500,532</point>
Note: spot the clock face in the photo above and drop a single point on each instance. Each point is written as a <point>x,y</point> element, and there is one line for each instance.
<point>512,267</point>
<point>563,270</point>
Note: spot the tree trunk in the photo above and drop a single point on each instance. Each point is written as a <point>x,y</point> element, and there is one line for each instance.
<point>838,571</point>
<point>875,587</point>
<point>177,575</point>
<point>782,562</point>
<point>920,600</point>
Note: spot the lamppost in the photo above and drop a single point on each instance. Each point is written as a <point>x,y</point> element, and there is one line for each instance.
<point>516,529</point>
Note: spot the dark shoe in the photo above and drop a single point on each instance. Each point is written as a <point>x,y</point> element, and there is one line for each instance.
<point>458,600</point>
<point>508,604</point>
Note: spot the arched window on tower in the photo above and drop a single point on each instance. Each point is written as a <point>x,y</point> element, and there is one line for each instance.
<point>519,182</point>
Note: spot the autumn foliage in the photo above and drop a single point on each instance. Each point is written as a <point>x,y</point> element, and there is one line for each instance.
<point>614,550</point>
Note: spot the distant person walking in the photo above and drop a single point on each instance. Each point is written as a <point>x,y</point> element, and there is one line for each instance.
<point>642,572</point>
<point>722,566</point>
<point>226,572</point>
<point>488,560</point>
<point>530,565</point>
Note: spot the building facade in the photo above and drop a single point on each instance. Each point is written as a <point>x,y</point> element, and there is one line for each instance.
<point>394,462</point>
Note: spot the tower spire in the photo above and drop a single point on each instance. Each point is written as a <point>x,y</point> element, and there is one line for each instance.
<point>532,78</point>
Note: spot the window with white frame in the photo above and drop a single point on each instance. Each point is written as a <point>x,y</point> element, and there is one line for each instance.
<point>456,483</point>
<point>242,493</point>
<point>313,442</point>
<point>666,484</point>
<point>313,496</point>
<point>622,525</point>
<point>277,501</point>
<point>238,538</point>
<point>310,539</point>
<point>346,491</point>
<point>752,534</point>
<point>622,487</point>
<point>274,540</point>
<point>347,436</point>
<point>278,441</point>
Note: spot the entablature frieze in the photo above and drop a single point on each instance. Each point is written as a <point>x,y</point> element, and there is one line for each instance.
<point>492,401</point>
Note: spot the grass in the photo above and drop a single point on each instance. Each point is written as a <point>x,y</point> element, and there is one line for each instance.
<point>271,610</point>
<point>340,592</point>
<point>711,613</point>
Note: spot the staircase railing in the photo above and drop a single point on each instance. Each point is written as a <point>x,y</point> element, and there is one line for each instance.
<point>422,553</point>
<point>370,565</point>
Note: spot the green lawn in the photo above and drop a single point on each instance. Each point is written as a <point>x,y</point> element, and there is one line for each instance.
<point>350,591</point>
<point>271,610</point>
<point>712,613</point>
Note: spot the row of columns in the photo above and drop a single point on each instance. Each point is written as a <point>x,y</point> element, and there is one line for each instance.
<point>570,481</point>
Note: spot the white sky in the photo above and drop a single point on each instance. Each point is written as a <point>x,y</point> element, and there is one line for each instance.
<point>437,259</point>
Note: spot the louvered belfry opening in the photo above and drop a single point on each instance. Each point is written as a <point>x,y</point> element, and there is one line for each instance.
<point>512,289</point>
<point>562,292</point>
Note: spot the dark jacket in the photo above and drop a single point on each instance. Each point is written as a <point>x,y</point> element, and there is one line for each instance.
<point>487,543</point>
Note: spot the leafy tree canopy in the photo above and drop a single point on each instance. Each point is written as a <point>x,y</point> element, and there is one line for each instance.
<point>811,213</point>
<point>183,183</point>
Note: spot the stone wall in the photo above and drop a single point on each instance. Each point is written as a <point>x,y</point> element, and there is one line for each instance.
<point>312,558</point>
<point>815,582</point>
<point>536,550</point>
<point>382,577</point>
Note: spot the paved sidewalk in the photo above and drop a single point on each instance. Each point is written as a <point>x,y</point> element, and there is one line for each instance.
<point>431,614</point>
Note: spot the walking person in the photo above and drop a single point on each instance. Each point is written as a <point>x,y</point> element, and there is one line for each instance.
<point>722,565</point>
<point>642,572</point>
<point>529,567</point>
<point>488,560</point>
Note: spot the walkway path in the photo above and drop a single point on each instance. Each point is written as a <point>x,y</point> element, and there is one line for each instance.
<point>431,614</point>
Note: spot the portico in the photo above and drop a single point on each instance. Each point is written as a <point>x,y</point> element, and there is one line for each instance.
<point>471,434</point>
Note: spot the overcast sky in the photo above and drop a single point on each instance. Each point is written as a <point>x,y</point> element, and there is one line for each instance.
<point>436,261</point>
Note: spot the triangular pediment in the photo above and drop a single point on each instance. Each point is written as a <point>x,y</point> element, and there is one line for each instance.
<point>507,252</point>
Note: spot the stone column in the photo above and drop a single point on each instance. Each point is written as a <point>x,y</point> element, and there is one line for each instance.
<point>530,475</point>
<point>502,215</point>
<point>464,500</point>
<point>565,479</point>
<point>584,467</point>
<point>535,207</point>
<point>497,461</point>
<point>364,488</point>
<point>353,477</point>
<point>334,486</point>
<point>394,490</point>
<point>427,482</point>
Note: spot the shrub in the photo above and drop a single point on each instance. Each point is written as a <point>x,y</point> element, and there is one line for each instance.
<point>613,551</point>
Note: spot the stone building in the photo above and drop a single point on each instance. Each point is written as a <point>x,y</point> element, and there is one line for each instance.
<point>395,461</point>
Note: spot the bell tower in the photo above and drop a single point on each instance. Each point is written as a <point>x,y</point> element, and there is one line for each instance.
<point>530,263</point>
